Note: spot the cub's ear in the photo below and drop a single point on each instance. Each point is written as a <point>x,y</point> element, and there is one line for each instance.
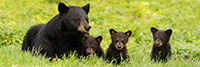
<point>128,33</point>
<point>168,31</point>
<point>153,30</point>
<point>62,8</point>
<point>86,8</point>
<point>112,31</point>
<point>99,38</point>
<point>84,37</point>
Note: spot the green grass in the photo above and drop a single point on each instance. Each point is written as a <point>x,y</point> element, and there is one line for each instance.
<point>182,16</point>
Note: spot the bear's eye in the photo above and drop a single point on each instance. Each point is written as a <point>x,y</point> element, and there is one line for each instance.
<point>156,37</point>
<point>92,47</point>
<point>122,41</point>
<point>116,40</point>
<point>161,38</point>
<point>78,20</point>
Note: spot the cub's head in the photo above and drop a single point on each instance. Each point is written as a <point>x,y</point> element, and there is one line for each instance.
<point>91,44</point>
<point>74,18</point>
<point>119,39</point>
<point>161,37</point>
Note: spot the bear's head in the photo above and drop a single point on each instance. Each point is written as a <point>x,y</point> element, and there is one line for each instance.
<point>91,44</point>
<point>119,39</point>
<point>161,37</point>
<point>74,18</point>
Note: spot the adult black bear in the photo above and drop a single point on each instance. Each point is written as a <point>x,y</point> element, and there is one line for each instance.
<point>161,47</point>
<point>117,48</point>
<point>91,45</point>
<point>30,36</point>
<point>62,34</point>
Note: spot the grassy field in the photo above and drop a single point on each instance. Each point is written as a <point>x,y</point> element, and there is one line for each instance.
<point>182,16</point>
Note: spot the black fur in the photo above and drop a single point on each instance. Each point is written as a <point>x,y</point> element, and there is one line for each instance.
<point>116,51</point>
<point>91,45</point>
<point>62,34</point>
<point>161,52</point>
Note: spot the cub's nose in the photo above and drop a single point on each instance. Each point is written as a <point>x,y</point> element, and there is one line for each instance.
<point>88,28</point>
<point>156,44</point>
<point>119,46</point>
<point>88,53</point>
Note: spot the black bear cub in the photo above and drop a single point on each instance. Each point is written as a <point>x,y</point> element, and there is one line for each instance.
<point>161,47</point>
<point>117,48</point>
<point>91,45</point>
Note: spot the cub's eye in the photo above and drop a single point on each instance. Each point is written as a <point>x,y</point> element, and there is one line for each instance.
<point>92,47</point>
<point>156,37</point>
<point>122,41</point>
<point>116,40</point>
<point>161,38</point>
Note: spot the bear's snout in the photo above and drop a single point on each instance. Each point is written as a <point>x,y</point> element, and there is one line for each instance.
<point>88,28</point>
<point>158,43</point>
<point>84,27</point>
<point>119,46</point>
<point>89,51</point>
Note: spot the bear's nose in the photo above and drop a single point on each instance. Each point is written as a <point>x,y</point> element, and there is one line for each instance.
<point>119,46</point>
<point>88,53</point>
<point>156,44</point>
<point>88,28</point>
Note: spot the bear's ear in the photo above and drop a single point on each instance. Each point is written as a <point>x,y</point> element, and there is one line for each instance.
<point>84,37</point>
<point>112,31</point>
<point>99,38</point>
<point>62,8</point>
<point>168,31</point>
<point>86,8</point>
<point>153,30</point>
<point>128,33</point>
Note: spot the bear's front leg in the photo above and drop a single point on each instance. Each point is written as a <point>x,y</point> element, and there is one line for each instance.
<point>100,53</point>
<point>125,55</point>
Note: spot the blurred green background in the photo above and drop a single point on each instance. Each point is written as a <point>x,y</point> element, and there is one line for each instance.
<point>182,16</point>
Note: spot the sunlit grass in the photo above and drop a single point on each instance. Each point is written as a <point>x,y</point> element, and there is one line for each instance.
<point>182,16</point>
